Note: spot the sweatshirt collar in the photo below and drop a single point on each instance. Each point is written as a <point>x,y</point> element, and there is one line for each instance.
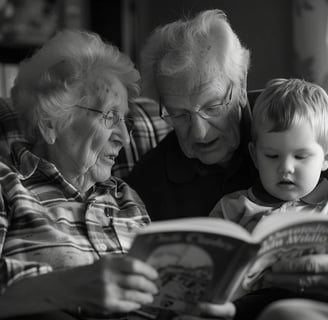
<point>317,196</point>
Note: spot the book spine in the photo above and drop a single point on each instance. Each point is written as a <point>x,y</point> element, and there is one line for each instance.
<point>235,273</point>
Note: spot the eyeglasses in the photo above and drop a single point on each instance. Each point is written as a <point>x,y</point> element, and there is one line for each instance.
<point>112,118</point>
<point>206,112</point>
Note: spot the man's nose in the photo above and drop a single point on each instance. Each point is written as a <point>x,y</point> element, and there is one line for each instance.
<point>198,127</point>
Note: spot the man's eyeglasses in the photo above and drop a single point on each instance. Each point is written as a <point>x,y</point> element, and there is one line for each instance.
<point>206,112</point>
<point>112,118</point>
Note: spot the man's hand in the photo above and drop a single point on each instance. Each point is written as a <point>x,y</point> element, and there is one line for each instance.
<point>209,310</point>
<point>307,274</point>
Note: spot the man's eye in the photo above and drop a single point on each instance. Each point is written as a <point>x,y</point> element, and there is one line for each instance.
<point>214,109</point>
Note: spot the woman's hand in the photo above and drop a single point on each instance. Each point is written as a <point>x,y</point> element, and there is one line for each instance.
<point>307,274</point>
<point>110,285</point>
<point>115,285</point>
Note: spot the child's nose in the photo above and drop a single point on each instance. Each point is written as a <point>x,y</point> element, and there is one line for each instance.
<point>286,166</point>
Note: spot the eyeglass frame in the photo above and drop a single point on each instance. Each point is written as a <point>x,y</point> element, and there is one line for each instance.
<point>168,118</point>
<point>105,117</point>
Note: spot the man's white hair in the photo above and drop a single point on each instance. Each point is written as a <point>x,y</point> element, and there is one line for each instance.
<point>173,50</point>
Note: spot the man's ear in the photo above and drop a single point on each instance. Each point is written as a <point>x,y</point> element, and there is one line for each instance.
<point>252,152</point>
<point>48,131</point>
<point>325,163</point>
<point>243,90</point>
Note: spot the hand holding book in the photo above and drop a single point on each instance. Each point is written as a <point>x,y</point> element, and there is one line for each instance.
<point>206,259</point>
<point>306,274</point>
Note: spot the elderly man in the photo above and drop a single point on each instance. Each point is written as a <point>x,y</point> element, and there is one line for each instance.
<point>196,69</point>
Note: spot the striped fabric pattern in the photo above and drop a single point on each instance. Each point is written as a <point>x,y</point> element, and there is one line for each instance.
<point>9,128</point>
<point>149,130</point>
<point>45,224</point>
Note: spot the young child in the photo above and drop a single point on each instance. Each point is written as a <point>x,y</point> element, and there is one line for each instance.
<point>290,150</point>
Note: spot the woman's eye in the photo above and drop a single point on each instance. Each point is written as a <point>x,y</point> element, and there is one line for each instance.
<point>110,115</point>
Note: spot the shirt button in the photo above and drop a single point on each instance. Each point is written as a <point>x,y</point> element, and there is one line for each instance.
<point>102,247</point>
<point>108,212</point>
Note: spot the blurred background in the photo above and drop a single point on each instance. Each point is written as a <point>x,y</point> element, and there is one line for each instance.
<point>287,38</point>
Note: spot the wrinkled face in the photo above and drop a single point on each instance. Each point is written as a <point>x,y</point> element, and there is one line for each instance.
<point>289,162</point>
<point>85,151</point>
<point>212,140</point>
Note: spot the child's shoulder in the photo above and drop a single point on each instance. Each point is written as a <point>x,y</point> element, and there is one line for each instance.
<point>236,205</point>
<point>230,203</point>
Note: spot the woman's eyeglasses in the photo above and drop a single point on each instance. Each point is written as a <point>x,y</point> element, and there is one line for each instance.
<point>112,118</point>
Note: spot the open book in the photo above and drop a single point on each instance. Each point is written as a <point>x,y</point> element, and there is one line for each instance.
<point>207,259</point>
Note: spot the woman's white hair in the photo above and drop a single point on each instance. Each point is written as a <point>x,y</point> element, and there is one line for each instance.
<point>68,69</point>
<point>173,50</point>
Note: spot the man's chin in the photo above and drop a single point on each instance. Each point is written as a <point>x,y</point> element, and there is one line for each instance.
<point>209,157</point>
<point>213,159</point>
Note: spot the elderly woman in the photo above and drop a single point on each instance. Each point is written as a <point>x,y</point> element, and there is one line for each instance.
<point>65,222</point>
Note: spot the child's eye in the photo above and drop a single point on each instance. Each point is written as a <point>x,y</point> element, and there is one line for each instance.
<point>271,156</point>
<point>301,156</point>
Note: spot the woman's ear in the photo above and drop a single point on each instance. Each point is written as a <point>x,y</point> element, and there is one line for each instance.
<point>252,152</point>
<point>48,131</point>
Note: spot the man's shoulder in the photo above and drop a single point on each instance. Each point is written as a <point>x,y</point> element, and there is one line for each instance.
<point>155,155</point>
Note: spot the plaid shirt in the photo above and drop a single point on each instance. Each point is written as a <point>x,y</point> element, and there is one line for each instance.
<point>46,225</point>
<point>148,130</point>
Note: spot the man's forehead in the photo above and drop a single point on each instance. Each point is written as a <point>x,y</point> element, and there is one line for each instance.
<point>181,86</point>
<point>204,71</point>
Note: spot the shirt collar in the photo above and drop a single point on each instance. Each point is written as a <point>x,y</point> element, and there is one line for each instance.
<point>24,160</point>
<point>27,163</point>
<point>317,196</point>
<point>181,169</point>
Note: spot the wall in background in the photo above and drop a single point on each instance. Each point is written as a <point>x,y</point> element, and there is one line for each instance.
<point>264,27</point>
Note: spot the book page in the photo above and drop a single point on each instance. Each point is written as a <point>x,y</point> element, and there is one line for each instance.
<point>205,224</point>
<point>291,235</point>
<point>279,221</point>
<point>193,266</point>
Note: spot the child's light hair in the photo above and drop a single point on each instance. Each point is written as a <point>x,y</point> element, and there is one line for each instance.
<point>173,50</point>
<point>287,102</point>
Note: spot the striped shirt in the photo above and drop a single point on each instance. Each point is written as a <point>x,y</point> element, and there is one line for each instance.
<point>46,224</point>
